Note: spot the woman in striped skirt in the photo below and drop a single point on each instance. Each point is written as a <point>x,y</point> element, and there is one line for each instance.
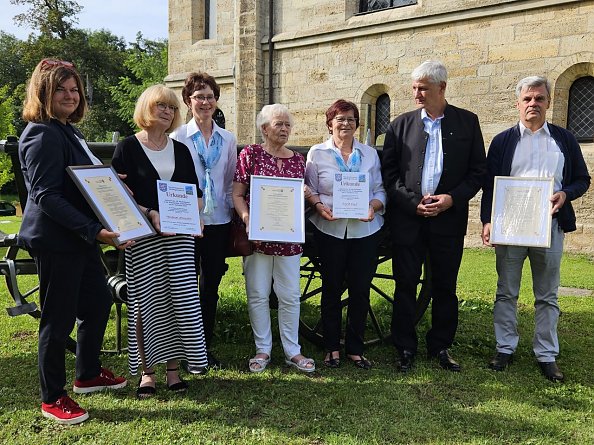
<point>164,318</point>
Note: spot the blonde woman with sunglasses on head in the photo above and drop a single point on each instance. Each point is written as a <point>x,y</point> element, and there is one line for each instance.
<point>61,232</point>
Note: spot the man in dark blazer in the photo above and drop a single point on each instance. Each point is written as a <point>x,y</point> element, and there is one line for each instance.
<point>433,164</point>
<point>533,148</point>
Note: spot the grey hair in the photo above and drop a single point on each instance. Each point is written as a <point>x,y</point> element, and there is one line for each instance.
<point>433,70</point>
<point>269,112</point>
<point>533,82</point>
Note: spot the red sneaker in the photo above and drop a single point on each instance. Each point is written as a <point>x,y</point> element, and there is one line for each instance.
<point>65,411</point>
<point>105,380</point>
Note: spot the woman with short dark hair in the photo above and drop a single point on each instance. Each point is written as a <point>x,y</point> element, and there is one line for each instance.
<point>347,247</point>
<point>214,152</point>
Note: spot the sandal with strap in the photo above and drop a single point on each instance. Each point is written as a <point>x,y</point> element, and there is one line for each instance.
<point>258,364</point>
<point>331,362</point>
<point>180,386</point>
<point>361,362</point>
<point>304,365</point>
<point>144,392</point>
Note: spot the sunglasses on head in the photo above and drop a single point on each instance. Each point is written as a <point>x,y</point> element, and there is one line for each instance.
<point>50,63</point>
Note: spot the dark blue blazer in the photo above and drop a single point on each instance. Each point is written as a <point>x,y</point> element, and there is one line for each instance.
<point>57,217</point>
<point>403,160</point>
<point>576,179</point>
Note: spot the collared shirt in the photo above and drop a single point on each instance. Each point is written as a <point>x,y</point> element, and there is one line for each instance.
<point>433,165</point>
<point>221,174</point>
<point>537,155</point>
<point>319,173</point>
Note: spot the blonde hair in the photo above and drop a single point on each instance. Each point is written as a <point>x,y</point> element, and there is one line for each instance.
<point>47,76</point>
<point>144,115</point>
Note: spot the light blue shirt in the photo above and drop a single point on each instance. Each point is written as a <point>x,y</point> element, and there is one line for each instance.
<point>433,165</point>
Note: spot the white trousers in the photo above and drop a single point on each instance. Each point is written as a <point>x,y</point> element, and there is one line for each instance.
<point>282,273</point>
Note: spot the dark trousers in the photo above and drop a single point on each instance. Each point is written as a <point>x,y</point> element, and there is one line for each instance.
<point>72,288</point>
<point>445,255</point>
<point>353,260</point>
<point>211,251</point>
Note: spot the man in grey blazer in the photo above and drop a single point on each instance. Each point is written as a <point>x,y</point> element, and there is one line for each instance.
<point>433,164</point>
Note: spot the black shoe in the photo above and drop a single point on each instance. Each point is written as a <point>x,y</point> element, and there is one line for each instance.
<point>144,392</point>
<point>213,362</point>
<point>180,386</point>
<point>331,362</point>
<point>405,360</point>
<point>500,361</point>
<point>361,362</point>
<point>551,371</point>
<point>447,362</point>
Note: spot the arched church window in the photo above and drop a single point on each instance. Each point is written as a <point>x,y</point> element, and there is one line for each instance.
<point>580,110</point>
<point>382,116</point>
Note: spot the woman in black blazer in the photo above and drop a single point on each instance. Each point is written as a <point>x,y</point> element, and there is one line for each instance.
<point>60,231</point>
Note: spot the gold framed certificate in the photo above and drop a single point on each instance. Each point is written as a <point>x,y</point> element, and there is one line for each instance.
<point>111,201</point>
<point>521,211</point>
<point>276,209</point>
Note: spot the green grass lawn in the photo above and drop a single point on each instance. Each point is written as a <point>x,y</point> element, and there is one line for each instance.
<point>342,406</point>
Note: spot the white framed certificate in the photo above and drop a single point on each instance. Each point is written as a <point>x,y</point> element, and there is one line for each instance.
<point>178,208</point>
<point>111,201</point>
<point>521,211</point>
<point>276,209</point>
<point>350,195</point>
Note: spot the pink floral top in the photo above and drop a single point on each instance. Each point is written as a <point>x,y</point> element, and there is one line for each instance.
<point>254,160</point>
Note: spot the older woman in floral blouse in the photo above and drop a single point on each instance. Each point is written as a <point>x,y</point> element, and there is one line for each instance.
<point>271,264</point>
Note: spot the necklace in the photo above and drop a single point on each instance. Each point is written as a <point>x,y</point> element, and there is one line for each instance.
<point>156,146</point>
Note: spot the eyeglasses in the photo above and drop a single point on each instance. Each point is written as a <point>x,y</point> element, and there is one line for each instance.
<point>163,106</point>
<point>50,63</point>
<point>201,98</point>
<point>345,120</point>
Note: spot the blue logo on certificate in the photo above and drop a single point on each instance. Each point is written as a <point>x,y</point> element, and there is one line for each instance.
<point>162,186</point>
<point>338,177</point>
<point>362,178</point>
<point>189,190</point>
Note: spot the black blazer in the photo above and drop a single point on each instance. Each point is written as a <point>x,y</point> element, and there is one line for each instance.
<point>57,216</point>
<point>464,167</point>
<point>129,158</point>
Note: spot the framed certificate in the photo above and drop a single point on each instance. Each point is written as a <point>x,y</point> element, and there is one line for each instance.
<point>111,201</point>
<point>521,211</point>
<point>276,209</point>
<point>178,208</point>
<point>350,195</point>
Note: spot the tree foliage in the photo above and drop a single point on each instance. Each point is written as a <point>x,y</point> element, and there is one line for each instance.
<point>50,17</point>
<point>6,129</point>
<point>147,63</point>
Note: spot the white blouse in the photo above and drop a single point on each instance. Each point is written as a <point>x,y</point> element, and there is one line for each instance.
<point>221,174</point>
<point>319,173</point>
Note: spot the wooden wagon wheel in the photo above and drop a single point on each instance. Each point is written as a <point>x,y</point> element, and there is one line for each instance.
<point>380,310</point>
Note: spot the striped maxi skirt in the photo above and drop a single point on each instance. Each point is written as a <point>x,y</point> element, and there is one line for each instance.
<point>163,299</point>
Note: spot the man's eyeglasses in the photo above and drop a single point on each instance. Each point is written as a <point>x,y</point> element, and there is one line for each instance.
<point>50,63</point>
<point>345,120</point>
<point>162,106</point>
<point>201,98</point>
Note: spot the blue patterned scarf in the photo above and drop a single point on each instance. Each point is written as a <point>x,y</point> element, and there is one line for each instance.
<point>208,161</point>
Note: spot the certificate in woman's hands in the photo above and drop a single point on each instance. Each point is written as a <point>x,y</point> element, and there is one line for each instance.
<point>110,200</point>
<point>276,209</point>
<point>521,211</point>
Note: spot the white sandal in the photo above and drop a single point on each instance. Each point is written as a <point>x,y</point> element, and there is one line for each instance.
<point>302,365</point>
<point>258,364</point>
